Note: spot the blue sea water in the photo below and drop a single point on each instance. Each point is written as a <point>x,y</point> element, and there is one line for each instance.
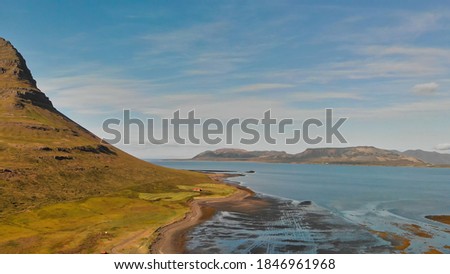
<point>361,199</point>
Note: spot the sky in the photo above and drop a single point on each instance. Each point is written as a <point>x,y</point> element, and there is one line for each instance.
<point>385,66</point>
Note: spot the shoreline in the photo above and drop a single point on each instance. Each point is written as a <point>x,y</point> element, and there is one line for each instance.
<point>171,238</point>
<point>312,163</point>
<point>444,219</point>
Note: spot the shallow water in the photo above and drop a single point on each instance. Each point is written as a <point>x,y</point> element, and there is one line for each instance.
<point>348,203</point>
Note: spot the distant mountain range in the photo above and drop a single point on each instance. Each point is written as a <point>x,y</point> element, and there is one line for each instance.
<point>361,155</point>
<point>431,157</point>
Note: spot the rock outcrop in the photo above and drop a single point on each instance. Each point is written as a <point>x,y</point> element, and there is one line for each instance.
<point>16,79</point>
<point>13,68</point>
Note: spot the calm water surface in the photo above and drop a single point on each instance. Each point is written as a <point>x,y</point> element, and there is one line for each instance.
<point>351,202</point>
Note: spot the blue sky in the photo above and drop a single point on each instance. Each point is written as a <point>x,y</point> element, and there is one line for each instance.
<point>384,65</point>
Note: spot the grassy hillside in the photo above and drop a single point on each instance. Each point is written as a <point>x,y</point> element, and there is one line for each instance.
<point>63,190</point>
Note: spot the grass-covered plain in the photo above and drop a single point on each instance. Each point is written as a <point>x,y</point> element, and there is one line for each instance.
<point>121,223</point>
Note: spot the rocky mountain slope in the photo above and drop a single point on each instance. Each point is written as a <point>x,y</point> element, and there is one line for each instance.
<point>61,187</point>
<point>45,157</point>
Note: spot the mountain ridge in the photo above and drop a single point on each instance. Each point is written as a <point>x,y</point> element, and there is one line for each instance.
<point>360,155</point>
<point>14,72</point>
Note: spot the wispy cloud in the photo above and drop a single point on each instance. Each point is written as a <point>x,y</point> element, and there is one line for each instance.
<point>216,62</point>
<point>261,87</point>
<point>97,93</point>
<point>442,147</point>
<point>426,88</point>
<point>399,110</point>
<point>390,27</point>
<point>409,25</point>
<point>374,62</point>
<point>360,69</point>
<point>317,96</point>
<point>184,39</point>
<point>101,94</point>
<point>425,52</point>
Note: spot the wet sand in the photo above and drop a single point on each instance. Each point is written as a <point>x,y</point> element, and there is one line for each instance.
<point>445,219</point>
<point>252,223</point>
<point>171,238</point>
<point>254,219</point>
<point>279,227</point>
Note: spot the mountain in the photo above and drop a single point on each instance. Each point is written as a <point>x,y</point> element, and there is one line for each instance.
<point>57,178</point>
<point>242,154</point>
<point>362,155</point>
<point>46,157</point>
<point>431,157</point>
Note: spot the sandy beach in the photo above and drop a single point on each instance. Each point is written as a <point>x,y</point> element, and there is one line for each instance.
<point>171,238</point>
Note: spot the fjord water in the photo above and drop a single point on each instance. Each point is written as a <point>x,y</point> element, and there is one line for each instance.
<point>366,198</point>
